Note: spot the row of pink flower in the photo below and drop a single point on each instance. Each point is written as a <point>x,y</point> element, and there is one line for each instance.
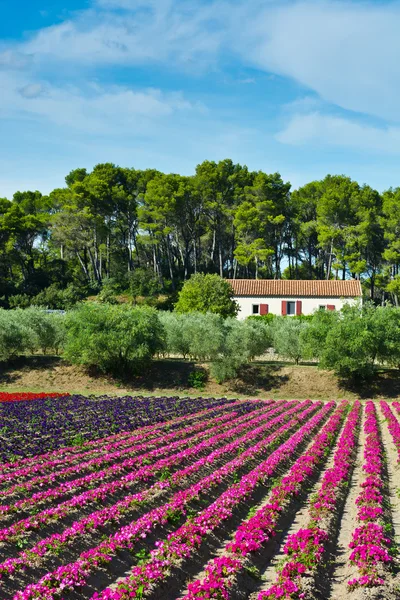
<point>188,538</point>
<point>142,433</point>
<point>76,574</point>
<point>150,449</point>
<point>137,471</point>
<point>369,544</point>
<point>136,464</point>
<point>92,457</point>
<point>109,453</point>
<point>112,513</point>
<point>260,528</point>
<point>393,424</point>
<point>101,493</point>
<point>304,549</point>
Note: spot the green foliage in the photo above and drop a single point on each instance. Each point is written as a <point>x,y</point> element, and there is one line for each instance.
<point>59,299</point>
<point>262,318</point>
<point>351,346</point>
<point>144,282</point>
<point>20,301</point>
<point>242,342</point>
<point>314,336</point>
<point>227,343</point>
<point>207,294</point>
<point>14,336</point>
<point>387,332</point>
<point>197,379</point>
<point>29,330</point>
<point>205,333</point>
<point>112,338</point>
<point>176,333</point>
<point>287,337</point>
<point>154,230</point>
<point>47,330</point>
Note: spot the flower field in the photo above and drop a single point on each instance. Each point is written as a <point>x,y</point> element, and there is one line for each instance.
<point>176,498</point>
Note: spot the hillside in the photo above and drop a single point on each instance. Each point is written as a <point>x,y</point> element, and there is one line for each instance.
<point>266,379</point>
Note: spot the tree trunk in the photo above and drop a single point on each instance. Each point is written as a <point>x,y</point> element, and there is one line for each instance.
<point>108,255</point>
<point>194,255</point>
<point>84,267</point>
<point>328,271</point>
<point>171,274</point>
<point>213,246</point>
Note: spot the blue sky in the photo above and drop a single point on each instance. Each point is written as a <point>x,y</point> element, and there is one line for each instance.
<point>302,87</point>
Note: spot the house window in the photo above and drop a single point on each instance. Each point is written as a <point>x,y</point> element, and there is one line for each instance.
<point>290,308</point>
<point>322,307</point>
<point>256,309</point>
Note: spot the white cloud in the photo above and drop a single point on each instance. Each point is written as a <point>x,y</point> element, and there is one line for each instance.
<point>323,130</point>
<point>185,33</point>
<point>11,59</point>
<point>347,52</point>
<point>32,90</point>
<point>97,110</point>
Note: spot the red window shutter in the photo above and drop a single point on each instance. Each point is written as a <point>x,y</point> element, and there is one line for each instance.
<point>298,307</point>
<point>263,309</point>
<point>283,308</point>
<point>330,307</point>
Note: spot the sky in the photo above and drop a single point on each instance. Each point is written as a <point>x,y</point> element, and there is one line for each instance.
<point>305,88</point>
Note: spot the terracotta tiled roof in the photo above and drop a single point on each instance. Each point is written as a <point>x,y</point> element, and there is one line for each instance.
<point>350,288</point>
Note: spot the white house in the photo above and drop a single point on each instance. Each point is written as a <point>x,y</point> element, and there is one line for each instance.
<point>292,297</point>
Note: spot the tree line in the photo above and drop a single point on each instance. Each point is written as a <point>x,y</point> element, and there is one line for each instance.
<point>114,226</point>
<point>120,339</point>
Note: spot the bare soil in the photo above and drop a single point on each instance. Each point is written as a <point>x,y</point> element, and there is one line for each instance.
<point>170,376</point>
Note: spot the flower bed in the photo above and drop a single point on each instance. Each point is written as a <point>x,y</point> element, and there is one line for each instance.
<point>23,396</point>
<point>370,544</point>
<point>187,538</point>
<point>305,549</point>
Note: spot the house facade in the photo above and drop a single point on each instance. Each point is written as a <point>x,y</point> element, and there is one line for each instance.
<point>293,297</point>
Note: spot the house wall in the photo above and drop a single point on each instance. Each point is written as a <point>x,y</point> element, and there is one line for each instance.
<point>309,304</point>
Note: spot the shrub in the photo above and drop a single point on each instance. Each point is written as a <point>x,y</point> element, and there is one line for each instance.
<point>262,318</point>
<point>109,290</point>
<point>313,337</point>
<point>112,338</point>
<point>20,301</point>
<point>15,338</point>
<point>143,282</point>
<point>197,379</point>
<point>207,294</point>
<point>287,337</point>
<point>242,342</point>
<point>205,333</point>
<point>47,330</point>
<point>352,344</point>
<point>177,335</point>
<point>59,299</point>
<point>386,323</point>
